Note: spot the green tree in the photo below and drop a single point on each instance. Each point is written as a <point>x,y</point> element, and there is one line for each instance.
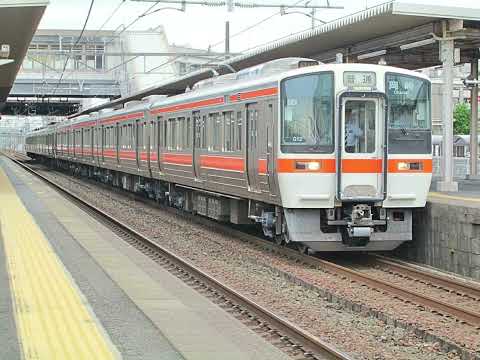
<point>461,119</point>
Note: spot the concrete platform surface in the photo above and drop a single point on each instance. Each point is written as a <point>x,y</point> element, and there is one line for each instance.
<point>141,310</point>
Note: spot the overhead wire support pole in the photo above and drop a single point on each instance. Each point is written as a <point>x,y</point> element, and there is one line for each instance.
<point>474,120</point>
<point>447,49</point>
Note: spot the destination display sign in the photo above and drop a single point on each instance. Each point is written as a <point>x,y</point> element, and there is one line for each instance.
<point>359,79</point>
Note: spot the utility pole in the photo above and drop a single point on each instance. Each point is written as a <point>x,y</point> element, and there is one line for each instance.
<point>313,18</point>
<point>227,40</point>
<point>474,121</point>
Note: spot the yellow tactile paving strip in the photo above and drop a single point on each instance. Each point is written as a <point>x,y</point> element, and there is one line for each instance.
<point>52,317</point>
<point>437,195</point>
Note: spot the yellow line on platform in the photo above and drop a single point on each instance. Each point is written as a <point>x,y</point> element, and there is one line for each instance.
<point>452,197</point>
<point>52,317</point>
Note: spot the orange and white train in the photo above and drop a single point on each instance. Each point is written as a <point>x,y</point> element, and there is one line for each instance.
<point>327,157</point>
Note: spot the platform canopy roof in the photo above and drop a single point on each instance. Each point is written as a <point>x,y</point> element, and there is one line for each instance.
<point>19,20</point>
<point>404,34</point>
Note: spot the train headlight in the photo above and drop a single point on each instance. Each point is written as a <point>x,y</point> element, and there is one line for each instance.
<point>413,166</point>
<point>314,166</point>
<point>308,165</point>
<point>402,166</point>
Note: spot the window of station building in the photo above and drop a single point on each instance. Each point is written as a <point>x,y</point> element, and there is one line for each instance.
<point>228,131</point>
<point>182,68</point>
<point>194,67</point>
<point>78,61</point>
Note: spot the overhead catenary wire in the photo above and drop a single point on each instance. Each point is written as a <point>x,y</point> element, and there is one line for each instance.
<point>250,27</point>
<point>76,43</point>
<point>110,16</point>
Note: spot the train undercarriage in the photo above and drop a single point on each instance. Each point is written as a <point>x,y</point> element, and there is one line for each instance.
<point>350,227</point>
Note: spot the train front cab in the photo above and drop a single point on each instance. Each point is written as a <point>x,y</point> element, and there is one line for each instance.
<point>356,193</point>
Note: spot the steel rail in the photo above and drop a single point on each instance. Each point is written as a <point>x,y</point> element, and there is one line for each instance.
<point>443,281</point>
<point>312,344</point>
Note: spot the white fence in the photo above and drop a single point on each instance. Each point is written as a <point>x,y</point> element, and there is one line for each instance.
<point>461,167</point>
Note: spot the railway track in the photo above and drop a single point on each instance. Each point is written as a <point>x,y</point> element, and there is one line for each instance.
<point>293,340</point>
<point>447,283</point>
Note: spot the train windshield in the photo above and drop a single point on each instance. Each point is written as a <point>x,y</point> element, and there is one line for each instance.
<point>409,115</point>
<point>307,114</point>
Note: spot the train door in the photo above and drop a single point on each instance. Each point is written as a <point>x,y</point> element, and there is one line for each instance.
<point>253,147</point>
<point>150,136</point>
<point>117,142</point>
<point>361,171</point>
<point>92,133</point>
<point>138,146</point>
<point>270,117</point>
<point>197,144</point>
<point>102,143</point>
<point>162,142</point>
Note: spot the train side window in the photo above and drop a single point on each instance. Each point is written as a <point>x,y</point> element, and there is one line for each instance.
<point>239,131</point>
<point>152,135</point>
<point>215,126</point>
<point>188,134</point>
<point>172,124</point>
<point>204,132</point>
<point>132,138</point>
<point>181,133</point>
<point>165,133</point>
<point>140,135</point>
<point>228,131</point>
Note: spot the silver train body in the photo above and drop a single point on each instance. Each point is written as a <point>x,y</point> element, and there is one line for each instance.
<point>330,157</point>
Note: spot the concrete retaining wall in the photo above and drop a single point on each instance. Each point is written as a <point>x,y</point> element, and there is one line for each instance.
<point>446,236</point>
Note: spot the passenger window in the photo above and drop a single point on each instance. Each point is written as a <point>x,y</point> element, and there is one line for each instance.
<point>215,125</point>
<point>181,133</point>
<point>228,131</point>
<point>204,132</point>
<point>188,136</point>
<point>239,131</point>
<point>173,134</point>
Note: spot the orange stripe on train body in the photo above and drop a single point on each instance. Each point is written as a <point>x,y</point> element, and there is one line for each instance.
<point>362,166</point>
<point>176,159</point>
<point>254,94</point>
<point>186,106</point>
<point>353,166</point>
<point>223,163</point>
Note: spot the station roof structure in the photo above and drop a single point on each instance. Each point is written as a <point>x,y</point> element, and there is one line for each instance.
<point>19,20</point>
<point>406,35</point>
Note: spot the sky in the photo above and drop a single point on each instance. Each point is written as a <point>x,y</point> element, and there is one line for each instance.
<point>201,26</point>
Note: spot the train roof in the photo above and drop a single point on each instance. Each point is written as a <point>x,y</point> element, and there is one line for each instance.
<point>269,73</point>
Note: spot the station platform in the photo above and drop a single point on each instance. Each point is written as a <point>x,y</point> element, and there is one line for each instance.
<point>71,289</point>
<point>468,194</point>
